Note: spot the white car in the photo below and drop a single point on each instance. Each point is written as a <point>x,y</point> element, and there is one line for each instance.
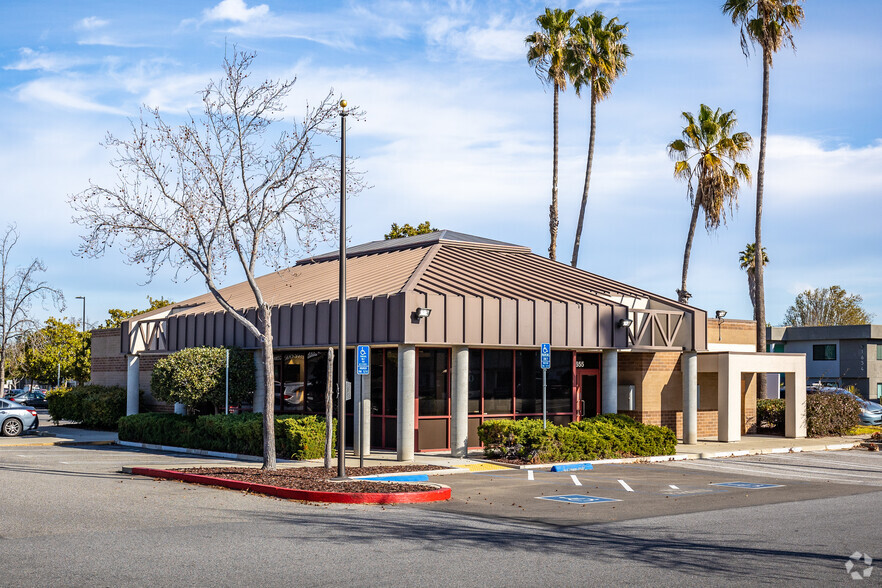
<point>15,419</point>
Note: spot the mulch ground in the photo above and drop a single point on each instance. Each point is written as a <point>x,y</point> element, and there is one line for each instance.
<point>319,479</point>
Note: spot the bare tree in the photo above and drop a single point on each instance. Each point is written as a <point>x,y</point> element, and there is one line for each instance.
<point>217,191</point>
<point>19,289</point>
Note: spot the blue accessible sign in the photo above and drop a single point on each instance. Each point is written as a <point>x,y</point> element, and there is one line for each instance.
<point>545,356</point>
<point>363,360</point>
<point>578,499</point>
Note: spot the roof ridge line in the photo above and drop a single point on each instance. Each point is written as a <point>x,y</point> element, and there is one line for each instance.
<point>418,271</point>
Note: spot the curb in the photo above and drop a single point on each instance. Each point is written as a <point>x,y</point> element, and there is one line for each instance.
<point>201,452</point>
<point>684,456</point>
<point>440,493</point>
<point>59,442</point>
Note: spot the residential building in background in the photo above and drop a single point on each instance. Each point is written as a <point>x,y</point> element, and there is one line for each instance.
<point>842,356</point>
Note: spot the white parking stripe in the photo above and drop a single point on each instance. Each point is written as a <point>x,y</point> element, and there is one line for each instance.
<point>530,474</point>
<point>795,471</point>
<point>673,487</point>
<point>575,480</point>
<point>625,486</point>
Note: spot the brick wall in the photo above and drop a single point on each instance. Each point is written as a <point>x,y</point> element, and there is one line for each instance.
<point>673,419</point>
<point>731,331</point>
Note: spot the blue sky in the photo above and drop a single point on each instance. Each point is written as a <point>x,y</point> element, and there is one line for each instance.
<point>458,131</point>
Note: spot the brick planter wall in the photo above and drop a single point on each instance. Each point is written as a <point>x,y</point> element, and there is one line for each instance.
<point>673,419</point>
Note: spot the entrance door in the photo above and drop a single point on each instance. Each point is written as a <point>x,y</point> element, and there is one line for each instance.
<point>588,383</point>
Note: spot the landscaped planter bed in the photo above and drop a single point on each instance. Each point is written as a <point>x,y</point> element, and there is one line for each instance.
<point>312,483</point>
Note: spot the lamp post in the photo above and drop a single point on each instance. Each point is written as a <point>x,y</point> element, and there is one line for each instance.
<point>341,353</point>
<point>84,334</point>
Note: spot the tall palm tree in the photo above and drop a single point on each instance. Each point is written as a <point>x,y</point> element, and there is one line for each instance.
<point>547,51</point>
<point>598,59</point>
<point>708,153</point>
<point>770,24</point>
<point>747,261</point>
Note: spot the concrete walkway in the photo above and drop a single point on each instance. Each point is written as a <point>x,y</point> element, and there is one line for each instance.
<point>63,433</point>
<point>759,444</point>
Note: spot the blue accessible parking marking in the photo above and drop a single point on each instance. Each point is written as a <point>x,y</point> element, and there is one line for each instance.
<point>747,485</point>
<point>578,499</point>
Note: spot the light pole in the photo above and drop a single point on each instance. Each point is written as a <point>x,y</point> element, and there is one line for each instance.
<point>341,353</point>
<point>84,335</point>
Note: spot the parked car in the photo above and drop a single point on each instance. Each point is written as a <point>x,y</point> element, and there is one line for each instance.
<point>35,399</point>
<point>871,412</point>
<point>15,419</point>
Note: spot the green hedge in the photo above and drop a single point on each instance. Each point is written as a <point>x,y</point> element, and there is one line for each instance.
<point>829,415</point>
<point>99,407</point>
<point>297,437</point>
<point>601,437</point>
<point>197,375</point>
<point>770,413</point>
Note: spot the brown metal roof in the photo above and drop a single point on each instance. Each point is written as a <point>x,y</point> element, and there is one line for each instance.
<point>481,292</point>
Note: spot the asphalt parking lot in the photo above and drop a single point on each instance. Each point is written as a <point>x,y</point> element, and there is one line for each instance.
<point>611,493</point>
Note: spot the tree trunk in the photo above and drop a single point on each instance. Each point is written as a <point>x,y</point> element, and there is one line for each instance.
<point>552,210</point>
<point>682,294</point>
<point>758,264</point>
<point>587,178</point>
<point>2,373</point>
<point>751,289</point>
<point>329,410</point>
<point>269,417</point>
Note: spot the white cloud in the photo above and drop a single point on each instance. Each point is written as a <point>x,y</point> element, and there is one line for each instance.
<point>235,10</point>
<point>45,61</point>
<point>65,93</point>
<point>801,170</point>
<point>92,22</point>
<point>501,39</point>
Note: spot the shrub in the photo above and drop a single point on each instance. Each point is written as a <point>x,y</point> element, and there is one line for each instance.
<point>770,413</point>
<point>197,375</point>
<point>93,406</point>
<point>831,414</point>
<point>601,437</point>
<point>297,437</point>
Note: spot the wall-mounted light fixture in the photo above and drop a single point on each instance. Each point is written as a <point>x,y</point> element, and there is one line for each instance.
<point>420,313</point>
<point>721,314</point>
<point>625,323</point>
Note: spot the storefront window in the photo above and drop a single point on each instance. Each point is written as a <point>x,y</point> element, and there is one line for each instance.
<point>498,381</point>
<point>475,366</point>
<point>559,394</point>
<point>432,382</point>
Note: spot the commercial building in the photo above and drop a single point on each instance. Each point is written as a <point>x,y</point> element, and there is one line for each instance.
<point>455,323</point>
<point>843,355</point>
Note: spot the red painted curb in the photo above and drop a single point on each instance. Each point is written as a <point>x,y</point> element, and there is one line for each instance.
<point>442,493</point>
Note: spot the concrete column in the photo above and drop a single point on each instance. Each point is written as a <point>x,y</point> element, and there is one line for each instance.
<point>689,363</point>
<point>794,404</point>
<point>459,402</point>
<point>180,408</point>
<point>609,388</point>
<point>729,399</point>
<point>260,383</point>
<point>133,384</point>
<point>364,413</point>
<point>406,399</point>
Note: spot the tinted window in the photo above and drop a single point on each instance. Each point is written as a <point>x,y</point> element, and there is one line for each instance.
<point>824,352</point>
<point>498,381</point>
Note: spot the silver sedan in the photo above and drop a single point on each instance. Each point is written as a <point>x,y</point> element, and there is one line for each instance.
<point>16,419</point>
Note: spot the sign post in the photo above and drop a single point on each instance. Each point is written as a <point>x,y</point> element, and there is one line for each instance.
<point>545,361</point>
<point>362,368</point>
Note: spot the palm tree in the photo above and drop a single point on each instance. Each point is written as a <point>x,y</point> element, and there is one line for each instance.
<point>770,24</point>
<point>748,262</point>
<point>547,51</point>
<point>709,154</point>
<point>599,56</point>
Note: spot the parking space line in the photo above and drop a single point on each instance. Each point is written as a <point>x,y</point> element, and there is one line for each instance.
<point>625,486</point>
<point>673,487</point>
<point>575,480</point>
<point>530,475</point>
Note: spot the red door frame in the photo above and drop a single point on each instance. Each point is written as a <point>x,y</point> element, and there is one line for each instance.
<point>577,389</point>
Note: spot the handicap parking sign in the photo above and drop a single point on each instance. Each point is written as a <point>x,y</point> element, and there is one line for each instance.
<point>363,360</point>
<point>578,499</point>
<point>747,485</point>
<point>545,356</point>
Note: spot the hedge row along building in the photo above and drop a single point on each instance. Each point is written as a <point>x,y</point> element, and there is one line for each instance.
<point>455,323</point>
